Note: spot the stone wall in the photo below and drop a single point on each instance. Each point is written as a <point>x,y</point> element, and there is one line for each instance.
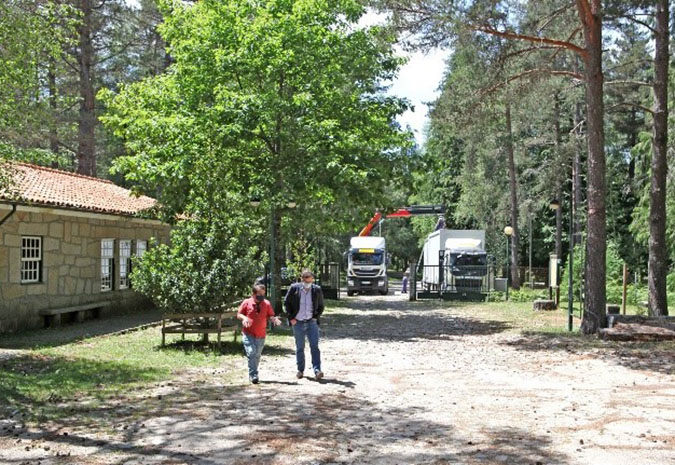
<point>71,262</point>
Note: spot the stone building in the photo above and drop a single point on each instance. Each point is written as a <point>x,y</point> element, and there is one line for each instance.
<point>66,247</point>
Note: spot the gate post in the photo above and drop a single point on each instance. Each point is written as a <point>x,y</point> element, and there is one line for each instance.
<point>412,285</point>
<point>441,275</point>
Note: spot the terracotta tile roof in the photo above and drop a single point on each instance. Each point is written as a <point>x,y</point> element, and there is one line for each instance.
<point>38,185</point>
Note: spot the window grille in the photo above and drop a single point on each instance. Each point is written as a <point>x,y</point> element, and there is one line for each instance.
<point>107,262</point>
<point>125,263</point>
<point>141,247</point>
<point>31,259</point>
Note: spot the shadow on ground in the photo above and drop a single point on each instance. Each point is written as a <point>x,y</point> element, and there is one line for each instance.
<point>209,425</point>
<point>228,347</point>
<point>401,321</point>
<point>37,386</point>
<point>52,337</point>
<point>647,356</point>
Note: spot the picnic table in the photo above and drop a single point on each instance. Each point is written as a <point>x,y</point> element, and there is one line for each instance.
<point>200,323</point>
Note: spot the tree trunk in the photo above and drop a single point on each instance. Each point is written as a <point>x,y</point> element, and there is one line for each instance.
<point>632,141</point>
<point>277,252</point>
<point>558,194</point>
<point>596,245</point>
<point>576,169</point>
<point>658,257</point>
<point>558,227</point>
<point>515,276</point>
<point>86,155</point>
<point>53,133</point>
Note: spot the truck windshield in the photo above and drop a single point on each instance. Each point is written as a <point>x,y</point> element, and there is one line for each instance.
<point>367,258</point>
<point>468,260</point>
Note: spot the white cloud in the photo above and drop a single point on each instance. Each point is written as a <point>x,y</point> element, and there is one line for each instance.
<point>418,81</point>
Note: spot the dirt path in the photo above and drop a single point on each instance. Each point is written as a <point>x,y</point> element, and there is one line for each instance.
<point>422,383</point>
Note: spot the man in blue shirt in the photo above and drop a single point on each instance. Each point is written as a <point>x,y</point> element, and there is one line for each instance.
<point>304,306</point>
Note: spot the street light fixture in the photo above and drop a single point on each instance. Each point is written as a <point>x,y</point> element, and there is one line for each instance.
<point>508,232</point>
<point>554,205</point>
<point>255,203</point>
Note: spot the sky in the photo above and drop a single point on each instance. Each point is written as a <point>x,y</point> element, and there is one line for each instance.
<point>418,81</point>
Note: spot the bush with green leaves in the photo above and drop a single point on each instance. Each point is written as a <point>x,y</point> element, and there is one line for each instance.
<point>527,295</point>
<point>614,264</point>
<point>209,263</point>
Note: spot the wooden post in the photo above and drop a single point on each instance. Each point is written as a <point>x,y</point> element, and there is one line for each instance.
<point>220,327</point>
<point>625,286</point>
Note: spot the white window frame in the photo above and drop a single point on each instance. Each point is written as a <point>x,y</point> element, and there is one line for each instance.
<point>107,264</point>
<point>125,263</point>
<point>141,248</point>
<point>31,259</point>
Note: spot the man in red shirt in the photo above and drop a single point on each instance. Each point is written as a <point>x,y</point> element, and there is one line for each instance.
<point>254,313</point>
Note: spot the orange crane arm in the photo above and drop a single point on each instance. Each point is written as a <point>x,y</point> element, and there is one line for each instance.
<point>371,224</point>
<point>404,212</point>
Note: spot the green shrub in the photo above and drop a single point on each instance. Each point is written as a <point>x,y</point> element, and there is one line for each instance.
<point>578,273</point>
<point>210,262</point>
<point>614,293</point>
<point>496,296</point>
<point>527,295</point>
<point>614,265</point>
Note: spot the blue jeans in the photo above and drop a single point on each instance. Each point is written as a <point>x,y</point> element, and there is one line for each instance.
<point>309,329</point>
<point>253,346</point>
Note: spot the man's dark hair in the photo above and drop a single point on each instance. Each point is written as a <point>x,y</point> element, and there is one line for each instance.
<point>258,287</point>
<point>306,274</point>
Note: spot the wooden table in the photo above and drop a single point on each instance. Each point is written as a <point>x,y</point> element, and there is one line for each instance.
<point>199,323</point>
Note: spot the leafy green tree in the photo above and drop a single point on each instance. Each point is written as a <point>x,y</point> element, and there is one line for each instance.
<point>31,34</point>
<point>277,100</point>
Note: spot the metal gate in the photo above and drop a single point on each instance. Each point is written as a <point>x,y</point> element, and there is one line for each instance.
<point>451,282</point>
<point>328,277</point>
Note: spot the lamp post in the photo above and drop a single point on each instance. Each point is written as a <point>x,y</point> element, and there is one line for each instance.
<point>554,205</point>
<point>508,232</point>
<point>570,262</point>
<point>570,278</point>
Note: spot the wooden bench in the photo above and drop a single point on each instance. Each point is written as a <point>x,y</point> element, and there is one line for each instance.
<point>199,323</point>
<point>53,315</point>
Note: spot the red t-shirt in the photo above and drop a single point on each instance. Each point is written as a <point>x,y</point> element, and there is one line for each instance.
<point>249,308</point>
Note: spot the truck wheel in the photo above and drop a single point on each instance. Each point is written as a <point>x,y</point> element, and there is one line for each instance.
<point>350,293</point>
<point>384,292</point>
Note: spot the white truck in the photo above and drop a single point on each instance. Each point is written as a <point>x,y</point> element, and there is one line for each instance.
<point>455,261</point>
<point>367,265</point>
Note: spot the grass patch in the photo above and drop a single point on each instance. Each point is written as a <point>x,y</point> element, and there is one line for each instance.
<point>35,382</point>
<point>519,315</point>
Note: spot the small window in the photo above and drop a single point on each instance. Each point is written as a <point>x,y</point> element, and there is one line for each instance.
<point>141,247</point>
<point>107,262</point>
<point>125,263</point>
<point>31,259</point>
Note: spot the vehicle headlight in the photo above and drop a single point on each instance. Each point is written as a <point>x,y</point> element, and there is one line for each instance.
<point>381,282</point>
<point>350,282</point>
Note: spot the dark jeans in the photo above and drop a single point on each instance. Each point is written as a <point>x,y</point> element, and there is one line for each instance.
<point>310,330</point>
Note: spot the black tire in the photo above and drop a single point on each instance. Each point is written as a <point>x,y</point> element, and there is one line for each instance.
<point>384,292</point>
<point>350,293</point>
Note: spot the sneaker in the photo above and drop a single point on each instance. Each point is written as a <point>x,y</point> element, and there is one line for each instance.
<point>319,374</point>
<point>299,375</point>
<point>255,380</point>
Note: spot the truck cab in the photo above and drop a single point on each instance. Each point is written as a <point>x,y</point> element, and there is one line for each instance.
<point>367,266</point>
